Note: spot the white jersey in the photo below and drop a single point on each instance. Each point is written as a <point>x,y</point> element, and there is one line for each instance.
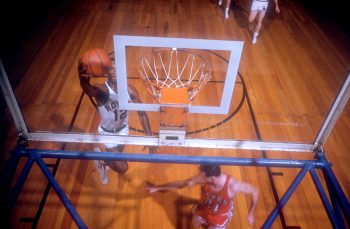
<point>111,117</point>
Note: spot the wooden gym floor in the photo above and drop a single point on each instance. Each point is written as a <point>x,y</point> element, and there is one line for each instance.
<point>292,76</point>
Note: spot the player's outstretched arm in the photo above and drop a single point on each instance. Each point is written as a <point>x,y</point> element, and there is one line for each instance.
<point>176,184</point>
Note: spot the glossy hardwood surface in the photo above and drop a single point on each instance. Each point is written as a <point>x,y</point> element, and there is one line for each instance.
<point>292,75</point>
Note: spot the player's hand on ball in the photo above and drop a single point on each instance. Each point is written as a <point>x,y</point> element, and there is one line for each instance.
<point>97,63</point>
<point>82,69</point>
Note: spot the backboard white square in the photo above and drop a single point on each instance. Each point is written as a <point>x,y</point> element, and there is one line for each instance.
<point>121,42</point>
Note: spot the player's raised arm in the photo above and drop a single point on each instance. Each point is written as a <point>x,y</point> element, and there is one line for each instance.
<point>134,96</point>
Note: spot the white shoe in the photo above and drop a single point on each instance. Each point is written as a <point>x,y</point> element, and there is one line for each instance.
<point>255,36</point>
<point>102,170</point>
<point>254,40</point>
<point>220,2</point>
<point>226,13</point>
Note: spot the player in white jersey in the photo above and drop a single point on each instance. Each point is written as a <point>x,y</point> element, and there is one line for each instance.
<point>113,120</point>
<point>259,8</point>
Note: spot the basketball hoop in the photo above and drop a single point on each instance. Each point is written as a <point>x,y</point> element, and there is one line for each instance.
<point>174,76</point>
<point>174,68</point>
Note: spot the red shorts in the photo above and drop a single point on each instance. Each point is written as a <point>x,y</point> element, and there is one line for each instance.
<point>218,220</point>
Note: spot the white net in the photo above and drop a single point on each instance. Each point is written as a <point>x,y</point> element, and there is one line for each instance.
<point>174,68</point>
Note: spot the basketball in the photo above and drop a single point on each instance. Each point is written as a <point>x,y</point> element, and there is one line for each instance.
<point>97,62</point>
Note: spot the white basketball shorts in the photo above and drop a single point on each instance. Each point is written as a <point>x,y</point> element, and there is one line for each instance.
<point>124,131</point>
<point>259,5</point>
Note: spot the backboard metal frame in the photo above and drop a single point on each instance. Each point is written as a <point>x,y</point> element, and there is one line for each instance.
<point>121,42</point>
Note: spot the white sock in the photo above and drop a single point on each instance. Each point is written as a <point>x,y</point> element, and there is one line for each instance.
<point>254,38</point>
<point>226,13</point>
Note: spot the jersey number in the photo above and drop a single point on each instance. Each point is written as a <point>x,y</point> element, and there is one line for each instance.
<point>119,114</point>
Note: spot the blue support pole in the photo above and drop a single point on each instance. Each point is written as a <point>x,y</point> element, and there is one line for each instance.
<point>66,202</point>
<point>170,158</point>
<point>17,188</point>
<point>9,169</point>
<point>341,198</point>
<point>306,165</point>
<point>326,204</point>
<point>335,204</point>
<point>7,175</point>
<point>273,215</point>
<point>20,182</point>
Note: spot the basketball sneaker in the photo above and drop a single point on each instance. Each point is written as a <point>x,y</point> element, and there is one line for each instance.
<point>101,168</point>
<point>254,38</point>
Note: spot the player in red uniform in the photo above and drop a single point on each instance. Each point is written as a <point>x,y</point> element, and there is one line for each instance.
<point>214,209</point>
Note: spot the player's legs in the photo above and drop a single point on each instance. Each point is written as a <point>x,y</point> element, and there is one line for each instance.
<point>258,9</point>
<point>227,8</point>
<point>260,19</point>
<point>120,167</point>
<point>198,221</point>
<point>251,19</point>
<point>253,11</point>
<point>251,23</point>
<point>101,168</point>
<point>261,16</point>
<point>210,221</point>
<point>215,227</point>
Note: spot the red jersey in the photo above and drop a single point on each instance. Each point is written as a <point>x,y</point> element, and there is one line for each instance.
<point>215,207</point>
